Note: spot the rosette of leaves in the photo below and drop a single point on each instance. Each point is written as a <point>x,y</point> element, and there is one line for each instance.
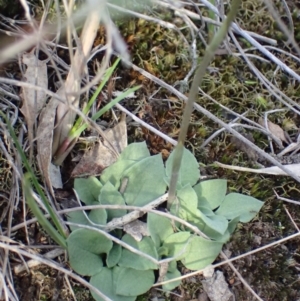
<point>122,274</point>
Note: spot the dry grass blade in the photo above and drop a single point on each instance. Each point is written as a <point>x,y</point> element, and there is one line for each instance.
<point>293,169</point>
<point>65,116</point>
<point>44,140</point>
<point>33,101</point>
<point>33,263</point>
<point>61,111</point>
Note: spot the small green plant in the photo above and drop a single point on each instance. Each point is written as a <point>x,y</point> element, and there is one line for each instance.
<point>119,272</point>
<point>200,220</point>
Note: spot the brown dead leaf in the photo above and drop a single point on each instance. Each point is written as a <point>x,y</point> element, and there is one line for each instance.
<point>275,129</point>
<point>33,100</point>
<point>117,136</point>
<point>44,140</point>
<point>93,161</point>
<point>101,155</point>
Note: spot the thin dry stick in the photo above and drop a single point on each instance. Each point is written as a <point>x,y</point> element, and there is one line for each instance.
<point>267,171</point>
<point>285,199</point>
<point>146,125</point>
<point>239,125</point>
<point>281,96</point>
<point>116,224</point>
<point>197,17</point>
<point>32,263</point>
<point>241,277</point>
<point>217,120</point>
<point>249,37</point>
<point>70,287</point>
<point>296,58</point>
<point>292,220</point>
<point>253,56</point>
<point>139,211</point>
<point>120,222</point>
<point>3,287</point>
<point>18,83</point>
<point>116,240</point>
<point>282,25</point>
<point>258,126</point>
<point>193,95</point>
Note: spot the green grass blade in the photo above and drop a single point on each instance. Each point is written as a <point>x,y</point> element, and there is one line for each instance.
<point>103,111</point>
<point>108,74</point>
<point>43,221</point>
<point>36,185</point>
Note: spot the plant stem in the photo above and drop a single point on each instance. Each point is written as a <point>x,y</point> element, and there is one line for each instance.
<point>211,27</point>
<point>208,56</point>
